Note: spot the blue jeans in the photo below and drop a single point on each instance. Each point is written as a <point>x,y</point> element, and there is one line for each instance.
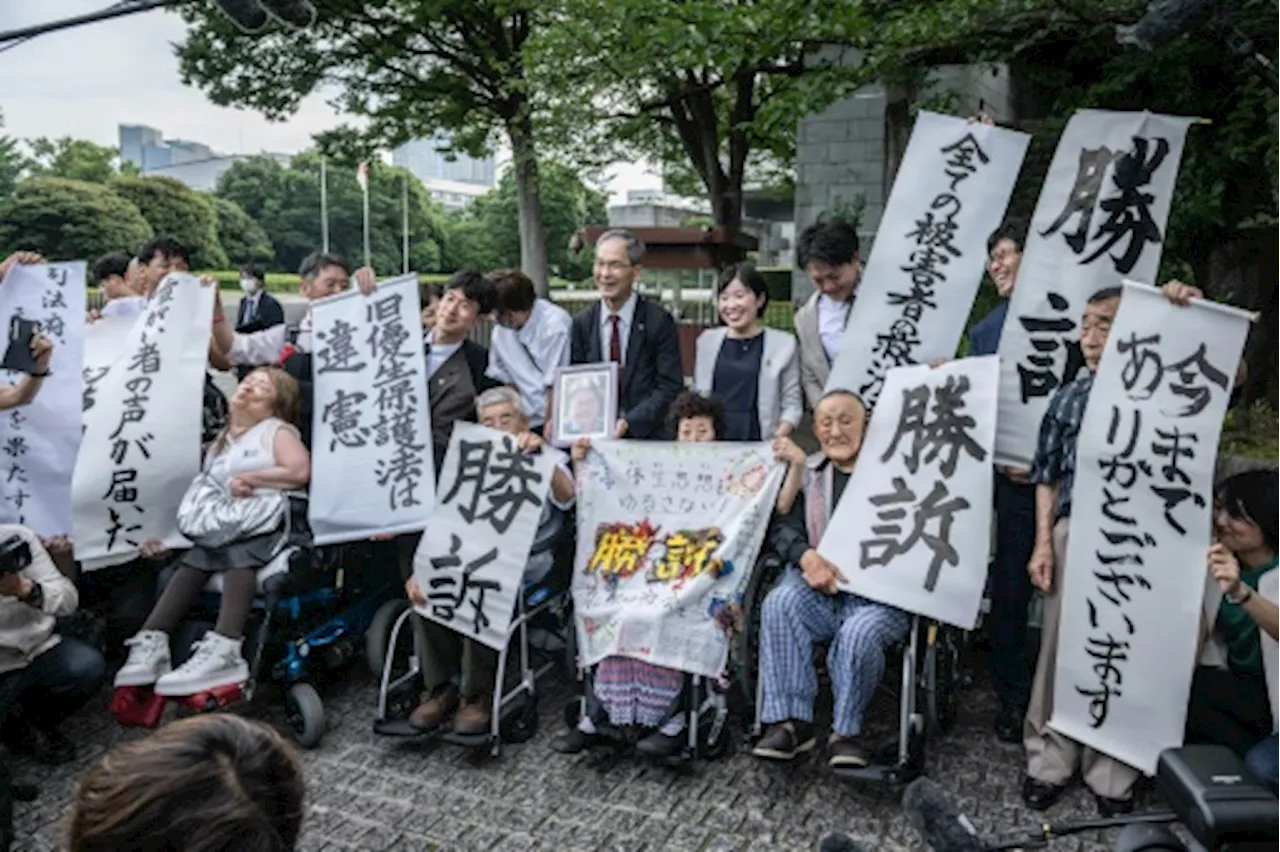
<point>53,685</point>
<point>1010,589</point>
<point>1263,761</point>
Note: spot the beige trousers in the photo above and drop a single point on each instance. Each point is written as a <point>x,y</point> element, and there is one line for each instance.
<point>1051,757</point>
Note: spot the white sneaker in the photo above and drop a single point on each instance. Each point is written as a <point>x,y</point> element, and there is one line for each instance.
<point>148,659</point>
<point>215,661</point>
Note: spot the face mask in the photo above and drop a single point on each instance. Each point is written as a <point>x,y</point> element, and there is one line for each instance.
<point>248,285</point>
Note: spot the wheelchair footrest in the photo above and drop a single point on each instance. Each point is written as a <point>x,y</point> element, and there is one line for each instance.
<point>137,706</point>
<point>216,698</point>
<point>397,728</point>
<point>466,740</point>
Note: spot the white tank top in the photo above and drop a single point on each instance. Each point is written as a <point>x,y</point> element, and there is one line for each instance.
<point>254,450</point>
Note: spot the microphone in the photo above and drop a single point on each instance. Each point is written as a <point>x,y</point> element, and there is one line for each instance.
<point>1164,21</point>
<point>944,828</point>
<point>838,841</point>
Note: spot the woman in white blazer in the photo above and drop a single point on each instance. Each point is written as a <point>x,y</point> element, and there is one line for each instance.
<point>754,371</point>
<point>1235,692</point>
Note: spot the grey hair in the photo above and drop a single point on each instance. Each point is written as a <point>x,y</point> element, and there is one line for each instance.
<point>499,396</point>
<point>635,245</point>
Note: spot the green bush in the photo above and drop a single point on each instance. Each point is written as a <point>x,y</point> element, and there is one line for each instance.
<point>69,220</point>
<point>175,210</point>
<point>284,282</point>
<point>242,239</point>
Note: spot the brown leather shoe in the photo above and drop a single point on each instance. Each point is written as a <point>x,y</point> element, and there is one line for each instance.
<point>432,713</point>
<point>474,716</point>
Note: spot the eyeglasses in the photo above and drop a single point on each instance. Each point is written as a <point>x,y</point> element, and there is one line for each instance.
<point>612,265</point>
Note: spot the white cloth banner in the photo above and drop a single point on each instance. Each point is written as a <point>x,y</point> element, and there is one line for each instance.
<point>931,249</point>
<point>913,527</point>
<point>103,342</point>
<point>470,563</point>
<point>39,441</point>
<point>372,471</point>
<point>1269,588</point>
<point>1100,219</point>
<point>668,535</point>
<point>142,433</point>
<point>1140,525</point>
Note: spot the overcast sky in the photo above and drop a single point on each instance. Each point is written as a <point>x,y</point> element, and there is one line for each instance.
<point>85,81</point>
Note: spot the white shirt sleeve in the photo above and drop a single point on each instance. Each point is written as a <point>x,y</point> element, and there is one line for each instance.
<point>555,353</point>
<point>258,348</point>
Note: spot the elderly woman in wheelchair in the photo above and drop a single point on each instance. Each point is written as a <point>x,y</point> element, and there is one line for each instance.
<point>458,673</point>
<point>236,513</point>
<point>806,607</point>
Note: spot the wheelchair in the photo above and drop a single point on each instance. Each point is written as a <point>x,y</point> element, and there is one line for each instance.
<point>931,660</point>
<point>540,639</point>
<point>312,608</point>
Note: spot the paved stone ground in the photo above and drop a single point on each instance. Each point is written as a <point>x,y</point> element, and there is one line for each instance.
<point>367,792</point>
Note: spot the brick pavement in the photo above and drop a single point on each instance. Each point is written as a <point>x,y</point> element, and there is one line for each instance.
<point>369,793</point>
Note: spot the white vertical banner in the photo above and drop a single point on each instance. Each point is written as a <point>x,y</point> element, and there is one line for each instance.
<point>39,441</point>
<point>1140,525</point>
<point>1100,219</point>
<point>372,470</point>
<point>950,193</point>
<point>142,433</point>
<point>913,527</point>
<point>470,564</point>
<point>104,339</point>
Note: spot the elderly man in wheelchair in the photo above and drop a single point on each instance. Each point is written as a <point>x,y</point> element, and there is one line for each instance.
<point>458,673</point>
<point>806,607</point>
<point>237,514</point>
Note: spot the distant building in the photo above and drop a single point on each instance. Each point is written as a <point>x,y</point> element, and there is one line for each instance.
<point>770,220</point>
<point>454,183</point>
<point>194,163</point>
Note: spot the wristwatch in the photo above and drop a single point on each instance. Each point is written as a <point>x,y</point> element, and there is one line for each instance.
<point>35,597</point>
<point>1244,596</point>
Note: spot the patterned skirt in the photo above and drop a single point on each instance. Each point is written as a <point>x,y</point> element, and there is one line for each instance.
<point>633,692</point>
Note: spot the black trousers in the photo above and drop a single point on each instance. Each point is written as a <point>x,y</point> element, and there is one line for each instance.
<point>1228,708</point>
<point>1010,590</point>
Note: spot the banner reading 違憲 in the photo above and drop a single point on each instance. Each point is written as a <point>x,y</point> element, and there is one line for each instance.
<point>668,535</point>
<point>1140,525</point>
<point>39,441</point>
<point>470,562</point>
<point>142,433</point>
<point>950,193</point>
<point>913,528</point>
<point>1100,219</point>
<point>372,470</point>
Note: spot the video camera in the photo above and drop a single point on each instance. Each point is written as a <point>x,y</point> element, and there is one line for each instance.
<point>15,555</point>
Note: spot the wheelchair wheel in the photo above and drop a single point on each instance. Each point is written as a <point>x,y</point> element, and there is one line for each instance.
<point>378,637</point>
<point>746,644</point>
<point>943,680</point>
<point>522,724</point>
<point>305,712</point>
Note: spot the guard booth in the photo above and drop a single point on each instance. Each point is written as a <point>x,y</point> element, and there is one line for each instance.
<point>705,250</point>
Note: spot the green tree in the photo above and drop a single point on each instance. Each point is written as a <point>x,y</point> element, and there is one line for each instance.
<point>410,67</point>
<point>286,203</point>
<point>175,210</point>
<point>241,238</point>
<point>70,220</point>
<point>74,159</point>
<point>11,162</point>
<point>484,235</point>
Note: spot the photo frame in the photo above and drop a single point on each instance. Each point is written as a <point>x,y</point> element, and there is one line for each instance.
<point>584,403</point>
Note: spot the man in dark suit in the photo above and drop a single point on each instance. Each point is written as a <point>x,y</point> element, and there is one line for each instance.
<point>259,310</point>
<point>637,334</point>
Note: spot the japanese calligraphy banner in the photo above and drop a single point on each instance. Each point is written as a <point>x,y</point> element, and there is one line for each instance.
<point>39,441</point>
<point>1140,525</point>
<point>470,563</point>
<point>372,471</point>
<point>142,435</point>
<point>1100,219</point>
<point>668,535</point>
<point>950,193</point>
<point>103,342</point>
<point>913,527</point>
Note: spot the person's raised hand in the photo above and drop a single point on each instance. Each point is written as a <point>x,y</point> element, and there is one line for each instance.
<point>578,451</point>
<point>620,428</point>
<point>529,442</point>
<point>153,548</point>
<point>1179,293</point>
<point>1225,569</point>
<point>414,593</point>
<point>366,280</point>
<point>42,351</point>
<point>24,257</point>
<point>788,451</point>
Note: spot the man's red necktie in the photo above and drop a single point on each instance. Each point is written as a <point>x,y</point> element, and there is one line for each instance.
<point>615,340</point>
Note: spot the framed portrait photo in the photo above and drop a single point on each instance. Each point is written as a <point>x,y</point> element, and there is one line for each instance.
<point>585,403</point>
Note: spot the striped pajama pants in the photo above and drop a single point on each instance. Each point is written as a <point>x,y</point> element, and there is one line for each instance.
<point>794,618</point>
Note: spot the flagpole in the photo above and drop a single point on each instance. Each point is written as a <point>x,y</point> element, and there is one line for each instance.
<point>365,187</point>
<point>324,207</point>
<point>404,186</point>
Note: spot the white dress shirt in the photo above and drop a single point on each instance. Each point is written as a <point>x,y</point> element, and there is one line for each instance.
<point>626,316</point>
<point>264,347</point>
<point>438,353</point>
<point>126,306</point>
<point>833,316</point>
<point>528,357</point>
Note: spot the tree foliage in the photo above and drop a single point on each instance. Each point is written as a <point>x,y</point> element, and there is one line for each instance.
<point>11,162</point>
<point>70,220</point>
<point>411,68</point>
<point>241,238</point>
<point>484,236</point>
<point>74,159</point>
<point>285,201</point>
<point>177,211</point>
